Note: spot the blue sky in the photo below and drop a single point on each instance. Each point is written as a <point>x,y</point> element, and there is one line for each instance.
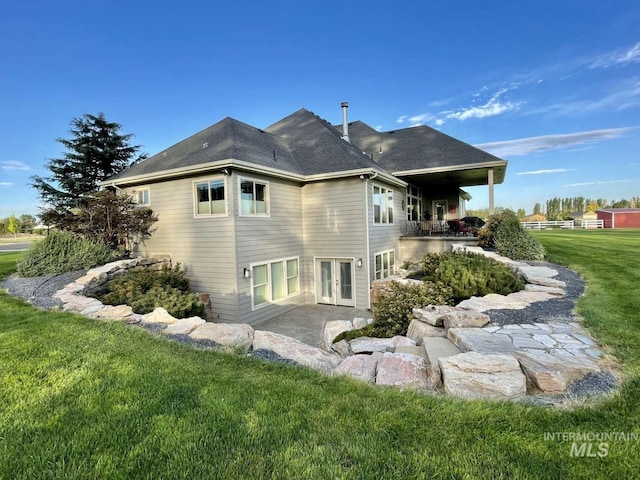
<point>553,87</point>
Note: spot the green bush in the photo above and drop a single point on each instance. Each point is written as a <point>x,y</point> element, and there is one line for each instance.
<point>392,311</point>
<point>470,274</point>
<point>510,239</point>
<point>146,289</point>
<point>61,252</point>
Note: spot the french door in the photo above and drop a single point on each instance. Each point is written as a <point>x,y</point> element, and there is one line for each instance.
<point>335,281</point>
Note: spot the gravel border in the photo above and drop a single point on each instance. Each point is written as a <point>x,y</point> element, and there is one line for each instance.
<point>38,291</point>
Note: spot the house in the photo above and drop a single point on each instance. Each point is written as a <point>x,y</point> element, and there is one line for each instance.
<point>301,212</point>
<point>619,217</point>
<point>584,219</point>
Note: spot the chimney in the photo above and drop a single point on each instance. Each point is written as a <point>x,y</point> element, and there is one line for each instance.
<point>345,124</point>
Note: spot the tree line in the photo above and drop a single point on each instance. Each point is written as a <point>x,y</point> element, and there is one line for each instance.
<point>561,208</point>
<point>14,225</point>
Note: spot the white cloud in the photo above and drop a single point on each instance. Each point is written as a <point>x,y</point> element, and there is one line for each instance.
<point>586,184</point>
<point>6,184</point>
<point>379,128</point>
<point>550,170</point>
<point>618,57</point>
<point>402,119</point>
<point>13,165</point>
<point>527,146</point>
<point>492,107</point>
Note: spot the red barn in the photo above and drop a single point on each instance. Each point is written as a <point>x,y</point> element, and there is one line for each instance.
<point>620,217</point>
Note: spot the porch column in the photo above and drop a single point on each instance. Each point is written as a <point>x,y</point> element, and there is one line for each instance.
<point>490,182</point>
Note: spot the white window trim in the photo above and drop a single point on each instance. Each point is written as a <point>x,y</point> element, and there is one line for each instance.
<point>373,204</point>
<point>267,197</point>
<point>136,196</point>
<point>270,300</point>
<point>194,193</point>
<point>391,270</point>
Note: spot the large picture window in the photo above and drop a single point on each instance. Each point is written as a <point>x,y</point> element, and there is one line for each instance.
<point>382,205</point>
<point>274,281</point>
<point>254,197</point>
<point>385,264</point>
<point>210,197</point>
<point>414,204</point>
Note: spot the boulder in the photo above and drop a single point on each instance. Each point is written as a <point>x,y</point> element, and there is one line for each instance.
<point>232,336</point>
<point>360,367</point>
<point>119,312</point>
<point>547,282</point>
<point>555,291</point>
<point>332,329</point>
<point>184,326</point>
<point>554,372</point>
<point>287,347</point>
<point>159,315</point>
<point>402,370</point>
<point>78,303</point>
<point>418,330</point>
<point>479,340</point>
<point>462,318</point>
<point>432,314</point>
<point>436,348</point>
<point>370,344</point>
<point>537,272</point>
<point>476,375</point>
<point>359,323</point>
<point>341,348</point>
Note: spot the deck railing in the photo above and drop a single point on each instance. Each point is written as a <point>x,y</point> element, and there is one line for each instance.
<point>427,228</point>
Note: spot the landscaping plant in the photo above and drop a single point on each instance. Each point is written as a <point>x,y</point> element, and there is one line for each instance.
<point>61,252</point>
<point>470,274</point>
<point>505,233</point>
<point>145,289</point>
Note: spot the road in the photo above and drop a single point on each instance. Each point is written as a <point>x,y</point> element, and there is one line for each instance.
<point>14,247</point>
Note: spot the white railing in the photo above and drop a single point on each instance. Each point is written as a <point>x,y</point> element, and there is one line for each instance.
<point>548,223</point>
<point>591,224</point>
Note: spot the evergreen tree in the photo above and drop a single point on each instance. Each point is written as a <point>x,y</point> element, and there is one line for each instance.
<point>96,151</point>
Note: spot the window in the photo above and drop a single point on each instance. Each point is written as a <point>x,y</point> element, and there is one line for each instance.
<point>382,205</point>
<point>254,198</point>
<point>142,197</point>
<point>209,197</point>
<point>414,204</point>
<point>274,281</point>
<point>385,264</point>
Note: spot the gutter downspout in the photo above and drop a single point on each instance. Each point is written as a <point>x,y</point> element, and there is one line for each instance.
<point>366,243</point>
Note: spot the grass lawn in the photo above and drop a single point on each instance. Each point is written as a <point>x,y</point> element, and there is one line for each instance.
<point>86,399</point>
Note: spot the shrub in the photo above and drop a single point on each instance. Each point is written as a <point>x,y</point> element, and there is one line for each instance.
<point>146,289</point>
<point>470,274</point>
<point>393,310</point>
<point>510,239</point>
<point>61,252</point>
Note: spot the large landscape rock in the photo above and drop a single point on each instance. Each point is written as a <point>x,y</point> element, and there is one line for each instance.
<point>295,350</point>
<point>435,349</point>
<point>371,344</point>
<point>159,315</point>
<point>475,375</point>
<point>554,372</point>
<point>418,330</point>
<point>118,312</point>
<point>360,367</point>
<point>479,340</point>
<point>432,314</point>
<point>184,326</point>
<point>402,370</point>
<point>332,329</point>
<point>232,336</point>
<point>462,318</point>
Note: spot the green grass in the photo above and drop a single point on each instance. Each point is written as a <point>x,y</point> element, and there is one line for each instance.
<point>87,399</point>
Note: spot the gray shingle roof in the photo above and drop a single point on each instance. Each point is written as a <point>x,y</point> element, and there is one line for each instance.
<point>227,139</point>
<point>416,148</point>
<point>317,146</point>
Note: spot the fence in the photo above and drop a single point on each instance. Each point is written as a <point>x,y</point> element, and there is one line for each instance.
<point>563,224</point>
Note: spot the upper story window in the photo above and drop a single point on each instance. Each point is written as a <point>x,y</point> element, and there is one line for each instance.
<point>382,205</point>
<point>254,197</point>
<point>210,197</point>
<point>142,197</point>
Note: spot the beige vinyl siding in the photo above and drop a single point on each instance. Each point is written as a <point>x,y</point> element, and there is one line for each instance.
<point>334,227</point>
<point>385,237</point>
<point>205,246</point>
<point>262,239</point>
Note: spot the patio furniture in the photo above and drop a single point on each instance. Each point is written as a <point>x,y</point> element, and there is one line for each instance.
<point>457,228</point>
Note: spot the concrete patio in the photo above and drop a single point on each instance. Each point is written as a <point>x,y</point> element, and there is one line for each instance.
<point>306,323</point>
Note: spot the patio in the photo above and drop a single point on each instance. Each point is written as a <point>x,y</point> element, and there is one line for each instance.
<point>306,323</point>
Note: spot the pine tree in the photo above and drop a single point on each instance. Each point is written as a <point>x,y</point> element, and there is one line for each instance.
<point>96,151</point>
